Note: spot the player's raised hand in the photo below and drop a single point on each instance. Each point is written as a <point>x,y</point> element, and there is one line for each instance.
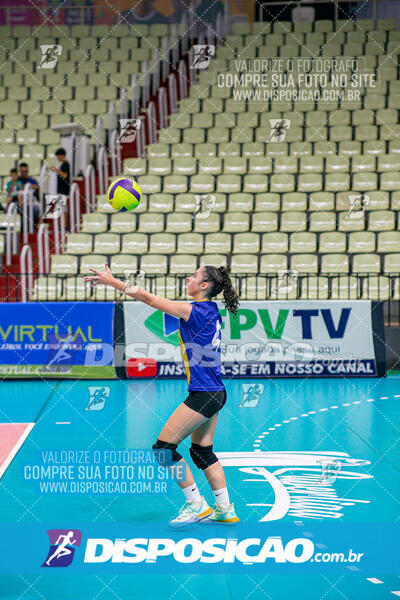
<point>104,277</point>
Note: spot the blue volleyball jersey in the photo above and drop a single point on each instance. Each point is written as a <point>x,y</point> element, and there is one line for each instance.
<point>200,344</point>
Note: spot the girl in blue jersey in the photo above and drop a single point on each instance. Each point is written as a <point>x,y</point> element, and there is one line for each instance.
<point>200,342</point>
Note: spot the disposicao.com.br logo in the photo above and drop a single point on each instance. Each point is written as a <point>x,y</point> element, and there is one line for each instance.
<point>213,550</point>
<point>191,550</point>
<point>62,547</point>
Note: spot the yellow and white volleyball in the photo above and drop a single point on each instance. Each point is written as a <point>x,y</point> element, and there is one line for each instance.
<point>124,194</point>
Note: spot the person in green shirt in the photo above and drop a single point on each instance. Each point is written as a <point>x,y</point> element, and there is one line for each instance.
<point>14,190</point>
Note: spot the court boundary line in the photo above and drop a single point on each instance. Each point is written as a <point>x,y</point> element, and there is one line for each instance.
<point>17,446</point>
<point>46,402</point>
<point>27,431</point>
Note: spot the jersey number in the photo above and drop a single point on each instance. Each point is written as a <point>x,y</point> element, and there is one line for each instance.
<point>216,341</point>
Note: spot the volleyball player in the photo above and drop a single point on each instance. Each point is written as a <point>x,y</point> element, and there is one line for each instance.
<point>200,342</point>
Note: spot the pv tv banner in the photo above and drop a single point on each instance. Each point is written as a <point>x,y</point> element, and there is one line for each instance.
<point>277,339</point>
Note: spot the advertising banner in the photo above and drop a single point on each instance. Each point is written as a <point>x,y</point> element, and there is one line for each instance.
<point>57,339</point>
<point>138,548</point>
<point>277,339</point>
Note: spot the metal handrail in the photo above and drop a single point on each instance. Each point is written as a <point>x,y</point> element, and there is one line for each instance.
<point>112,119</point>
<point>152,122</point>
<point>123,104</point>
<point>59,232</point>
<point>156,71</point>
<point>145,82</point>
<point>73,153</point>
<point>165,66</point>
<point>174,44</point>
<point>184,31</point>
<point>140,138</point>
<point>90,188</point>
<point>43,186</point>
<point>210,36</point>
<point>43,248</point>
<point>172,93</point>
<point>26,274</point>
<point>135,92</point>
<point>183,79</point>
<point>193,24</point>
<point>102,169</point>
<point>193,74</point>
<point>115,154</point>
<point>11,232</point>
<point>27,212</point>
<point>100,133</point>
<point>74,209</point>
<point>162,108</point>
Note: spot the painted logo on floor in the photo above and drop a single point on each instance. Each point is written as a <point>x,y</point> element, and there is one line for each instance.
<point>302,481</point>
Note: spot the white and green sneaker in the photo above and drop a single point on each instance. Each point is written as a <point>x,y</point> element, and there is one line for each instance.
<point>223,514</point>
<point>192,512</point>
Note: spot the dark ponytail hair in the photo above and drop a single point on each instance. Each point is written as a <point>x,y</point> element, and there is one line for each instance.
<point>219,281</point>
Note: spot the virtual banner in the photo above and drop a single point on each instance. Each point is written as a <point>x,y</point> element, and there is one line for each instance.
<point>57,339</point>
<point>277,339</point>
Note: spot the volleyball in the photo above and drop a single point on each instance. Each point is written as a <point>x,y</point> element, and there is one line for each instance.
<point>124,194</point>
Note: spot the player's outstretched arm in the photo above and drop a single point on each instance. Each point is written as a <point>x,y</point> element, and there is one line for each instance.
<point>171,307</point>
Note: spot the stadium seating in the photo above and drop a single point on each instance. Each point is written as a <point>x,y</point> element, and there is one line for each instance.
<point>93,66</point>
<point>278,205</point>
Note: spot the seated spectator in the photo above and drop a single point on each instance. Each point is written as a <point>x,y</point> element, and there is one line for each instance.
<point>25,178</point>
<point>63,173</point>
<point>14,190</point>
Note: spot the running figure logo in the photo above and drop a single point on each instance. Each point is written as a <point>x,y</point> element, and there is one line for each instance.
<point>204,204</point>
<point>287,282</point>
<point>329,470</point>
<point>62,547</point>
<point>50,56</point>
<point>61,353</point>
<point>129,128</point>
<point>203,53</point>
<point>357,205</point>
<point>279,129</point>
<point>55,205</point>
<point>97,397</point>
<point>135,279</point>
<point>252,393</point>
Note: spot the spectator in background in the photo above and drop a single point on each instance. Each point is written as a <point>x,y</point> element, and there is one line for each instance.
<point>63,173</point>
<point>14,190</point>
<point>25,178</point>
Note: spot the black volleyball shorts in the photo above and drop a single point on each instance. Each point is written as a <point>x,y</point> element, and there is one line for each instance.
<point>206,403</point>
